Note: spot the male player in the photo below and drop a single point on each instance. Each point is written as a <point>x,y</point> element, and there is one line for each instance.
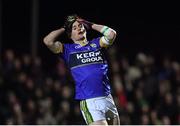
<point>89,68</point>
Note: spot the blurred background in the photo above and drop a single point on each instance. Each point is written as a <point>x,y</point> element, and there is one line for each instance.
<point>37,88</point>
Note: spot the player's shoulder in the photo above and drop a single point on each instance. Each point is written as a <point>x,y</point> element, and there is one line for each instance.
<point>95,42</point>
<point>95,39</point>
<point>68,45</point>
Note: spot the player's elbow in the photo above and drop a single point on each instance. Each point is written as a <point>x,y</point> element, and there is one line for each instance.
<point>113,32</point>
<point>112,35</point>
<point>47,41</point>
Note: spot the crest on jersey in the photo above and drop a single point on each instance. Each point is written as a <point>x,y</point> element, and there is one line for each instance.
<point>93,45</point>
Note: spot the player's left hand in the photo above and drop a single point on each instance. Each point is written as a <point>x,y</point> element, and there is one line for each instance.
<point>86,23</point>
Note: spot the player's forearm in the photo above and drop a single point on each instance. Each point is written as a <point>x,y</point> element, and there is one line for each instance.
<point>52,36</point>
<point>106,31</point>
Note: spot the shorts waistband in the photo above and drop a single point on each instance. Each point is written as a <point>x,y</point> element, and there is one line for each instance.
<point>101,97</point>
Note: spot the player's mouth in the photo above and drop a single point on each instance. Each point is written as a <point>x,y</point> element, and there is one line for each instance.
<point>80,33</point>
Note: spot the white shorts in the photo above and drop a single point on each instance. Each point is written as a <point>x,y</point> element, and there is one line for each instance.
<point>100,108</point>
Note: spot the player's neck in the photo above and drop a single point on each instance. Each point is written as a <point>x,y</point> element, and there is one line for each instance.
<point>82,42</point>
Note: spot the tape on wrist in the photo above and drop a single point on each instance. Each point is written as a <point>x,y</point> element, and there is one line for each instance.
<point>105,30</point>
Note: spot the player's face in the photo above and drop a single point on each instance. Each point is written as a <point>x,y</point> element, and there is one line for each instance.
<point>78,31</point>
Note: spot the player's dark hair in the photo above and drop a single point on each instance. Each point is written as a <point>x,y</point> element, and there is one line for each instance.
<point>69,20</point>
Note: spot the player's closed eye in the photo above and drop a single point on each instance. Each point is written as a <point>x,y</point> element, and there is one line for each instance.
<point>74,28</point>
<point>79,26</point>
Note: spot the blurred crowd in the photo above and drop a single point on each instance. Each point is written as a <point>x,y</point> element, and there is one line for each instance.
<point>145,91</point>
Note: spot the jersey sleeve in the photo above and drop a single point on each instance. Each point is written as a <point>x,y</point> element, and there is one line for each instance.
<point>64,54</point>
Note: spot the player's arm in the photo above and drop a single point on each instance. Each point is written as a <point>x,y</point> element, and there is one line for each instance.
<point>109,34</point>
<point>51,42</point>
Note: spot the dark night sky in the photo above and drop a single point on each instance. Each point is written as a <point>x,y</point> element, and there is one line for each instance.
<point>148,27</point>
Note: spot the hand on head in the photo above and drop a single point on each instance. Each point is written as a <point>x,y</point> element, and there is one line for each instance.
<point>86,23</point>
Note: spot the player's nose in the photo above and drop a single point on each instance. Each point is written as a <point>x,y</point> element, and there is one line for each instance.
<point>78,29</point>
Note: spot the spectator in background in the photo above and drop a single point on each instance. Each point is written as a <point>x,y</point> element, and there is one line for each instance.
<point>21,93</point>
